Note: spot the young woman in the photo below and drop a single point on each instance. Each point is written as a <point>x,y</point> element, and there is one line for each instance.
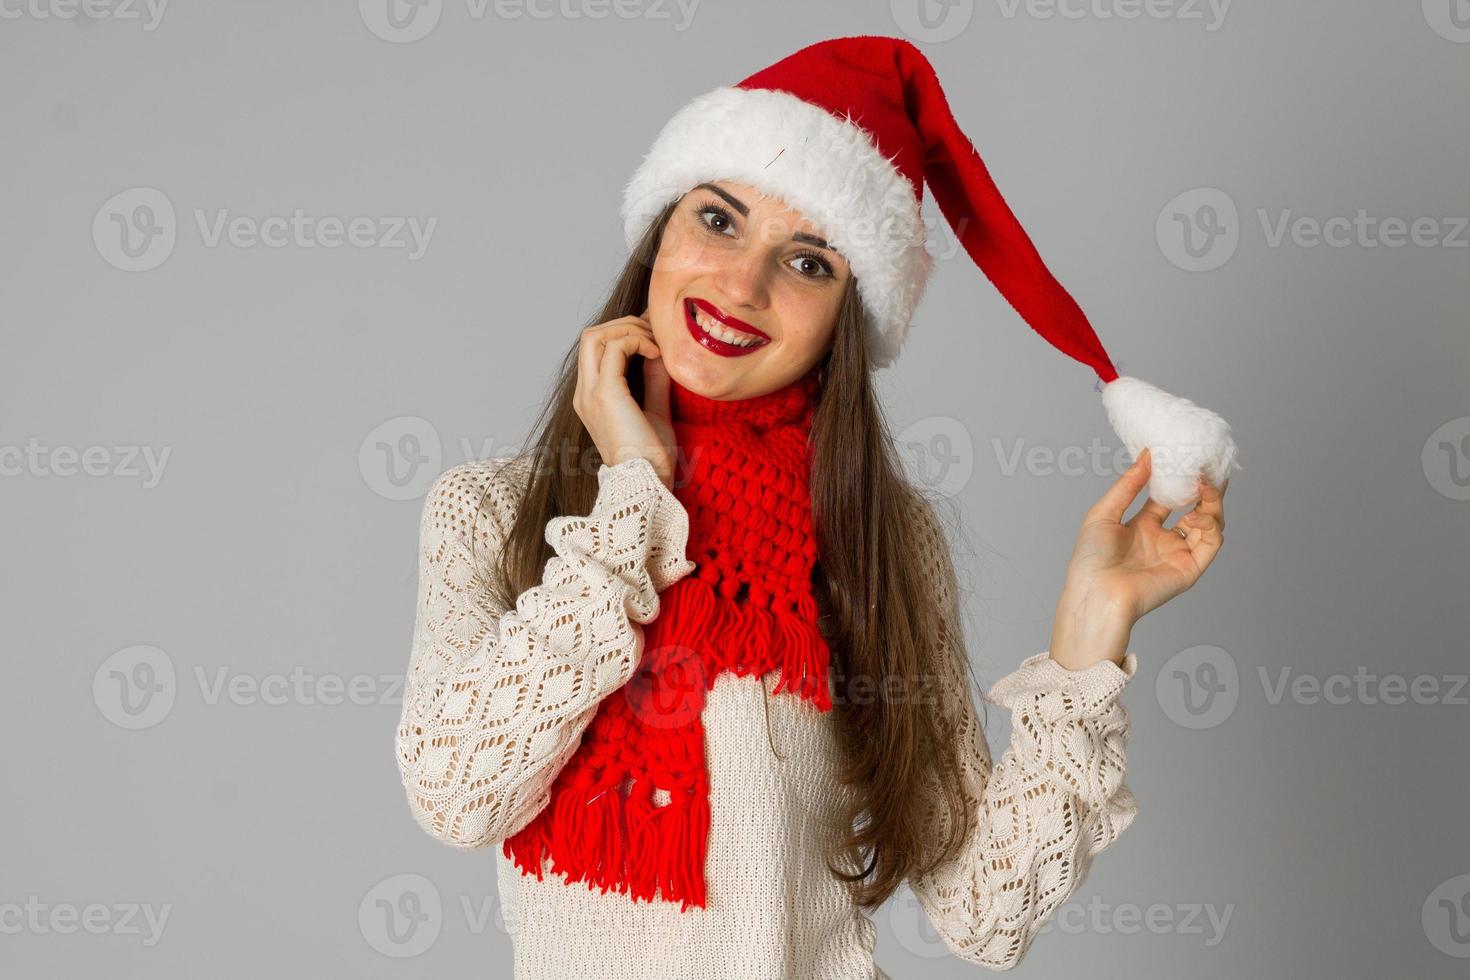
<point>694,662</point>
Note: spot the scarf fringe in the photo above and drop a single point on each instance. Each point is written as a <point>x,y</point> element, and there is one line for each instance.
<point>627,845</point>
<point>745,635</point>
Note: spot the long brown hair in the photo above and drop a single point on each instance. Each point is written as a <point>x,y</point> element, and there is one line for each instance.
<point>882,624</point>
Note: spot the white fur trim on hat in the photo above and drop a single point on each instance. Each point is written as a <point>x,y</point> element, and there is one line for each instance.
<point>826,167</point>
<point>1184,438</point>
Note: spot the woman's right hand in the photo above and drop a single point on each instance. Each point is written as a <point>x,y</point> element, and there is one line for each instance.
<point>620,428</point>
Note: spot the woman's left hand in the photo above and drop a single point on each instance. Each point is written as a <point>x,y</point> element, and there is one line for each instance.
<point>1120,571</point>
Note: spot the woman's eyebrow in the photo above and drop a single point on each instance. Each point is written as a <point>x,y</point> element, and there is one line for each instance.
<point>735,203</point>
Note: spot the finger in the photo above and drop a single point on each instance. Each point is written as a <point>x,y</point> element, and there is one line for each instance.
<point>622,325</point>
<point>655,386</point>
<point>1153,511</point>
<point>587,356</point>
<point>1203,535</point>
<point>1194,520</point>
<point>1211,502</point>
<point>615,353</point>
<point>1114,503</point>
<point>612,363</point>
<point>595,340</point>
<point>625,323</point>
<point>641,327</point>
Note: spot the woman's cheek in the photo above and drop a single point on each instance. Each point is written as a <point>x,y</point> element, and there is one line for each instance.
<point>810,322</point>
<point>681,255</point>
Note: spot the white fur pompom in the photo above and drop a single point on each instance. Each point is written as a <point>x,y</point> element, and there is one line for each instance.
<point>1185,439</point>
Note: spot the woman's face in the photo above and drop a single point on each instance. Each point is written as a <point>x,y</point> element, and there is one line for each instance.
<point>757,272</point>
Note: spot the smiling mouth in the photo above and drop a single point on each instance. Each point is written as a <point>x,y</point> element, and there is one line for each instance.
<point>719,331</point>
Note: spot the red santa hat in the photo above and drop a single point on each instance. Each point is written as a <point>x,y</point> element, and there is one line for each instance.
<point>848,131</point>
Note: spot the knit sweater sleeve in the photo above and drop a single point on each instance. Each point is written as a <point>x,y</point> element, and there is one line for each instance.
<point>496,698</point>
<point>1042,813</point>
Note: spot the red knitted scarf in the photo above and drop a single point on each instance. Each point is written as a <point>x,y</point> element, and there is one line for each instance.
<point>748,608</point>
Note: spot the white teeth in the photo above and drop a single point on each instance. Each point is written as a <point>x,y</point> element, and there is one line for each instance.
<point>719,330</point>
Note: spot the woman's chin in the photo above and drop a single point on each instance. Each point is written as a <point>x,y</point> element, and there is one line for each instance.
<point>704,373</point>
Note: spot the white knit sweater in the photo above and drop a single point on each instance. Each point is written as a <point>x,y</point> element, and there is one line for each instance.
<point>497,698</point>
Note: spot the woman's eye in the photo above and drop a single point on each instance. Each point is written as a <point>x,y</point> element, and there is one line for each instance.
<point>715,219</point>
<point>811,267</point>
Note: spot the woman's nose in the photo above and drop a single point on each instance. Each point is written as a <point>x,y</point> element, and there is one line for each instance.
<point>742,278</point>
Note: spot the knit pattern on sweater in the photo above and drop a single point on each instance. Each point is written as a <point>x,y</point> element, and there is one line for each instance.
<point>498,694</point>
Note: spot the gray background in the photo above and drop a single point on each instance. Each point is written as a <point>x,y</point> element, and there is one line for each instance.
<point>306,396</point>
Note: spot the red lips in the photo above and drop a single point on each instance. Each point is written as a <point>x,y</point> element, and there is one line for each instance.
<point>714,344</point>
